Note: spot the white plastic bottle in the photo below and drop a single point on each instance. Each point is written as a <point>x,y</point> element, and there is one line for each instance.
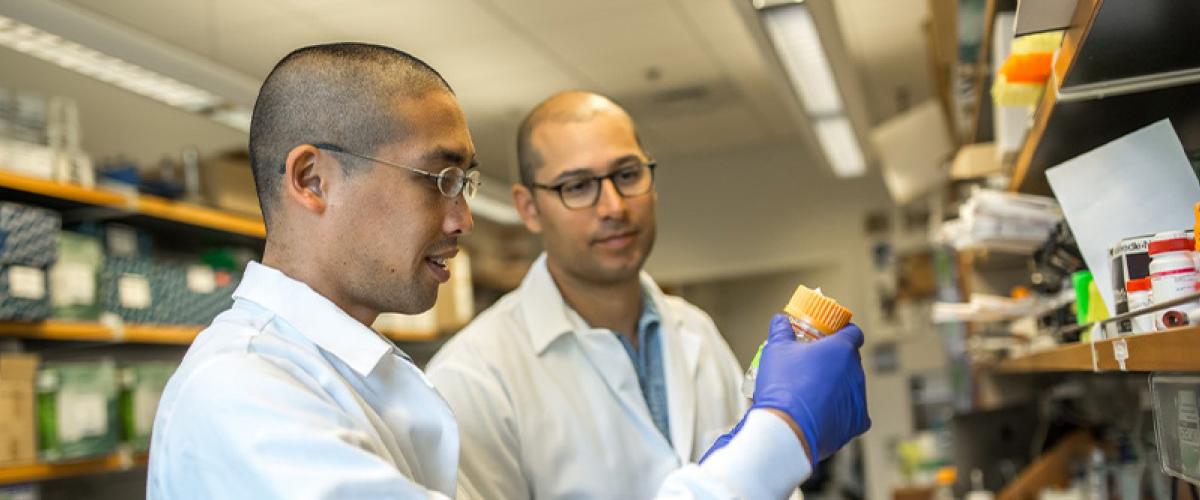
<point>1140,297</point>
<point>812,315</point>
<point>1173,275</point>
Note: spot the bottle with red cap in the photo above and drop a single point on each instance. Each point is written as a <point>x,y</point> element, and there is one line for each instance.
<point>1173,274</point>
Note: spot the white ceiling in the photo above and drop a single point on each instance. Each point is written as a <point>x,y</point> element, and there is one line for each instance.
<point>503,56</point>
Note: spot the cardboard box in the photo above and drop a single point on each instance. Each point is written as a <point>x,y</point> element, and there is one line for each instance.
<point>127,288</point>
<point>18,444</point>
<point>24,293</point>
<point>142,386</point>
<point>28,235</point>
<point>77,410</point>
<point>228,184</point>
<point>207,293</point>
<point>74,288</point>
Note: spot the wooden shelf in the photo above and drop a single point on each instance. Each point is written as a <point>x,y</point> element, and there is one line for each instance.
<point>1176,350</point>
<point>96,332</point>
<point>1123,64</point>
<point>67,196</point>
<point>140,334</point>
<point>117,462</point>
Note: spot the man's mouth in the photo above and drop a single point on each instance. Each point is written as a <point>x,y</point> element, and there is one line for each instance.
<point>616,239</point>
<point>436,263</point>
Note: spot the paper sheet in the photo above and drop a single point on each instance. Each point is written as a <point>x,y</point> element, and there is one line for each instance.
<point>1139,184</point>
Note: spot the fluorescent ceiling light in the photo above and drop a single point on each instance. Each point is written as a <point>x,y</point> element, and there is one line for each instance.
<point>794,34</point>
<point>237,117</point>
<point>841,146</point>
<point>64,53</point>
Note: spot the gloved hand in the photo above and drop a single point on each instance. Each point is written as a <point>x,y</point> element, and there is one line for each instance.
<point>820,385</point>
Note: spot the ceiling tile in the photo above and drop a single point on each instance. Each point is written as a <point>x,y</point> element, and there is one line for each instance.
<point>713,129</point>
<point>543,13</point>
<point>174,22</point>
<point>418,27</point>
<point>270,45</point>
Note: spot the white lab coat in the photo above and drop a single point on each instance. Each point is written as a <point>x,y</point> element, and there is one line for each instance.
<point>287,396</point>
<point>549,408</point>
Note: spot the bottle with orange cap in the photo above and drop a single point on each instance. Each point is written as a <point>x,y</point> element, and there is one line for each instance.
<point>813,316</point>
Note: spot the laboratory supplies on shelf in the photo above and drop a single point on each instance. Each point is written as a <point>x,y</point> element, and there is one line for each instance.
<point>1173,274</point>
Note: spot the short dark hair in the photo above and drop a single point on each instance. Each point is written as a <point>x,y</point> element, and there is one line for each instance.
<point>529,159</point>
<point>337,93</point>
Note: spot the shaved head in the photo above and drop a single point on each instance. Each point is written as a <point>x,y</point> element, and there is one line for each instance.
<point>568,106</point>
<point>342,94</point>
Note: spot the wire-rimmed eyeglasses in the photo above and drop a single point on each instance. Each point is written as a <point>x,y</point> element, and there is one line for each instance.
<point>451,181</point>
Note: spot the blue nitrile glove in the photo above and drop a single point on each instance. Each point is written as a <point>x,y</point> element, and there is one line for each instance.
<point>819,384</point>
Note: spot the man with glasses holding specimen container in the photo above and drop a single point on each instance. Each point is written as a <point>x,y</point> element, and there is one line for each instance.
<point>587,379</point>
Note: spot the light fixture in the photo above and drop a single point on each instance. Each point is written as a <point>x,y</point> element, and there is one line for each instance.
<point>237,117</point>
<point>793,32</point>
<point>67,54</point>
<point>841,146</point>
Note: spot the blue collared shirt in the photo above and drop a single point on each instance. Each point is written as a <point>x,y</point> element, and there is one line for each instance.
<point>648,363</point>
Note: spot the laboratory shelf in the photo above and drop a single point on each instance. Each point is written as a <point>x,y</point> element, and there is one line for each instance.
<point>29,473</point>
<point>140,334</point>
<point>97,332</point>
<point>1123,64</point>
<point>194,223</point>
<point>981,121</point>
<point>1174,350</point>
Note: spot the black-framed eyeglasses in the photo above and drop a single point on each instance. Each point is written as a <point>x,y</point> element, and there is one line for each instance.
<point>582,192</point>
<point>451,181</point>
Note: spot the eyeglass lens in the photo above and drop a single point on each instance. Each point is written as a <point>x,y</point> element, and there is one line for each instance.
<point>630,181</point>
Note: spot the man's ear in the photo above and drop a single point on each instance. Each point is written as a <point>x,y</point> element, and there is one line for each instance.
<point>305,179</point>
<point>527,208</point>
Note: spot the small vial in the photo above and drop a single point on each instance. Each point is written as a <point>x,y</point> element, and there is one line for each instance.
<point>813,316</point>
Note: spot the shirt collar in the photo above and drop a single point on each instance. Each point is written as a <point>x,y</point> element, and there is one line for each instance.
<point>314,316</point>
<point>549,317</point>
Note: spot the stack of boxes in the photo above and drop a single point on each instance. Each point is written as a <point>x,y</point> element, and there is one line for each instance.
<point>28,247</point>
<point>140,290</point>
<point>65,411</point>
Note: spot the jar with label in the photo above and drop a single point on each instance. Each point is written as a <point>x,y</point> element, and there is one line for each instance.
<point>1173,275</point>
<point>1138,291</point>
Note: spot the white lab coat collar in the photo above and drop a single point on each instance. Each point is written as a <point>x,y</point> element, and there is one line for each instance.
<point>314,316</point>
<point>549,317</point>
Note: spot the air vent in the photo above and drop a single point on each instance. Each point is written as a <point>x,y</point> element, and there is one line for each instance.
<point>678,95</point>
<point>693,97</point>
